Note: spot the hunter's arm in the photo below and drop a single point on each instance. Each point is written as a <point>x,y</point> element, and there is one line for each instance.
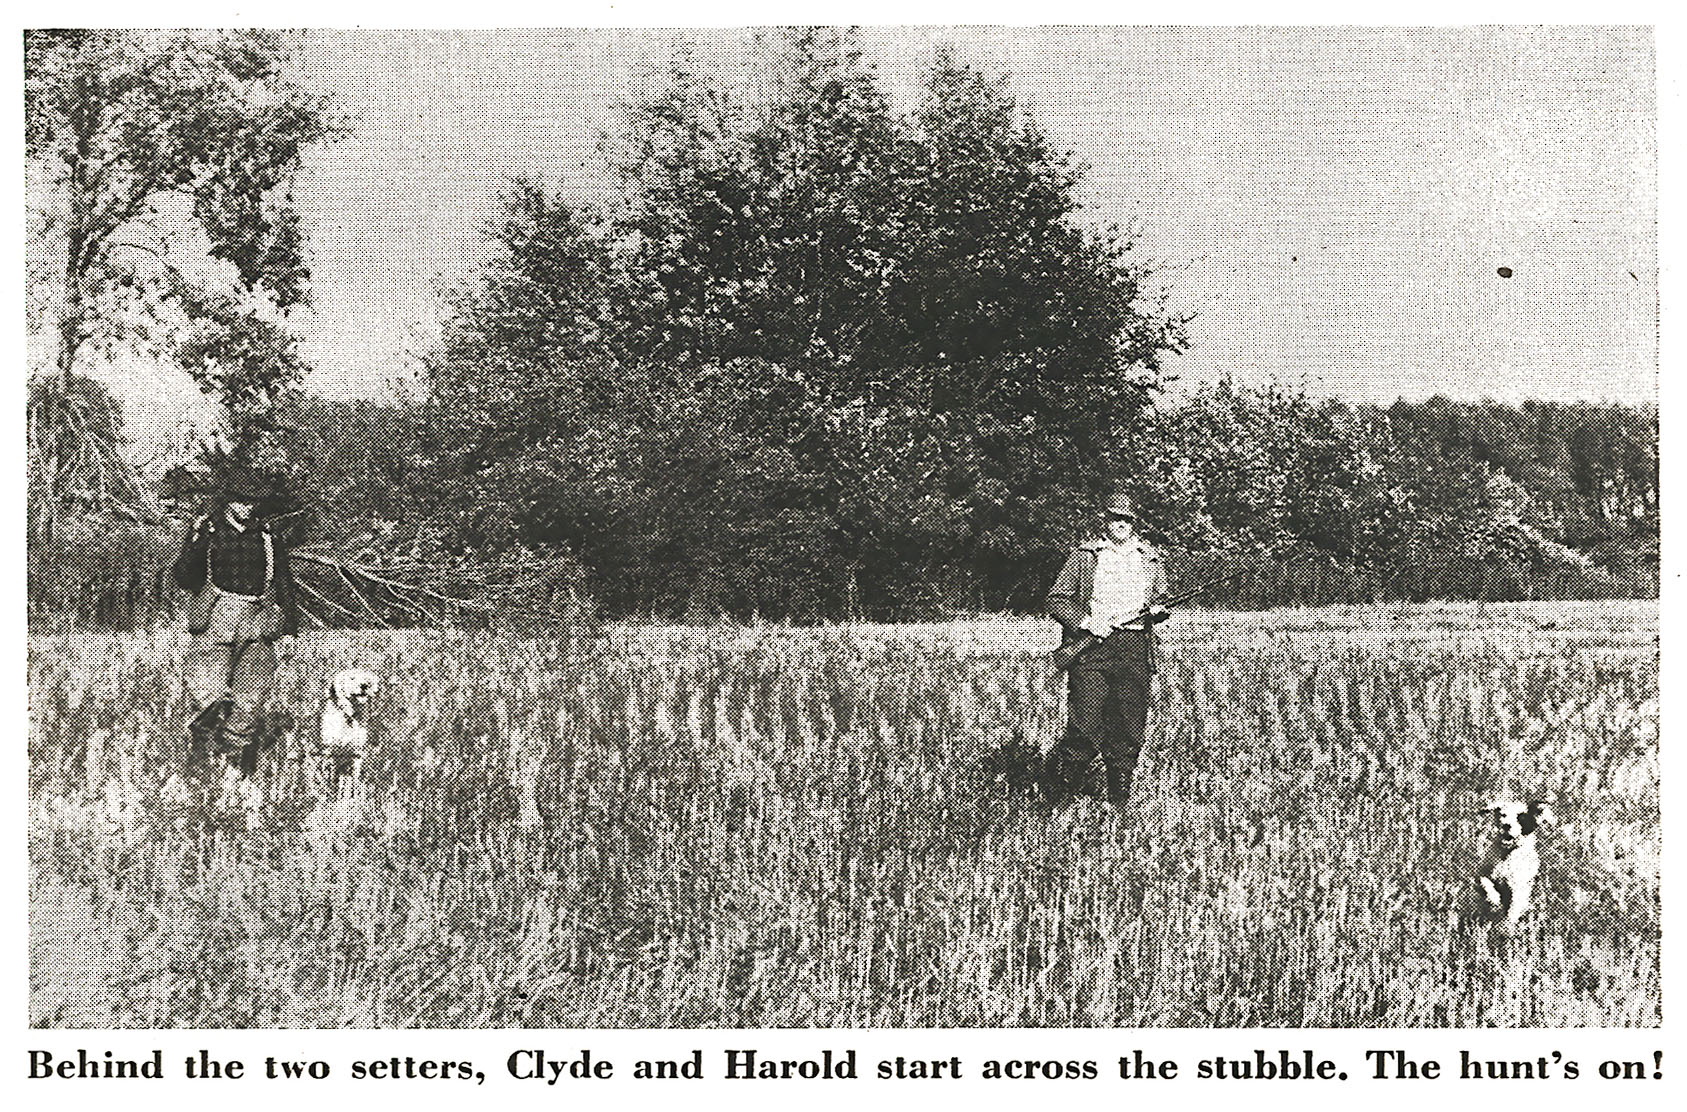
<point>190,567</point>
<point>286,591</point>
<point>1065,602</point>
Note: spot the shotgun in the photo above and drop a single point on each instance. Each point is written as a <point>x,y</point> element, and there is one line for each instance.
<point>1066,655</point>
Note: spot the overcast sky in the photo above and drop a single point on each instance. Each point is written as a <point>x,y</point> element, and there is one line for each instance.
<point>1333,204</point>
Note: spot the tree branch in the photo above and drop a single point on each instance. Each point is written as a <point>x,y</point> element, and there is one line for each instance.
<point>324,599</point>
<point>101,225</point>
<point>413,599</point>
<point>365,573</point>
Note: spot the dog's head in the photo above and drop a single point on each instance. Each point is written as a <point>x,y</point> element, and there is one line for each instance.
<point>1514,821</point>
<point>352,689</point>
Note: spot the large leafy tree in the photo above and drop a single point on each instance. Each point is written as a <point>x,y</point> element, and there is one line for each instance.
<point>1037,334</point>
<point>882,346</point>
<point>1017,306</point>
<point>161,220</point>
<point>764,229</point>
<point>526,336</point>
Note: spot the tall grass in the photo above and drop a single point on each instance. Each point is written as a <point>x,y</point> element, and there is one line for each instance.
<point>776,827</point>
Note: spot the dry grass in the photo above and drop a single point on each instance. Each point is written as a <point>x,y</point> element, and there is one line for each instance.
<point>774,827</point>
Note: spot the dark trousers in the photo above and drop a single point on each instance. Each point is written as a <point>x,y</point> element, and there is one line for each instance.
<point>232,681</point>
<point>1106,713</point>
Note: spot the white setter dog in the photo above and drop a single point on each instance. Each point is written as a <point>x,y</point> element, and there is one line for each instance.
<point>1505,878</point>
<point>345,723</point>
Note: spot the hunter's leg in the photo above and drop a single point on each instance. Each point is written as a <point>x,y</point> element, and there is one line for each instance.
<point>1086,719</point>
<point>250,686</point>
<point>1129,715</point>
<point>205,676</point>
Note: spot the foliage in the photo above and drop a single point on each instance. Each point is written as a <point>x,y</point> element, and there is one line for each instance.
<point>75,430</point>
<point>1542,499</point>
<point>1007,304</point>
<point>739,492</point>
<point>818,358</point>
<point>764,229</point>
<point>686,499</point>
<point>1403,500</point>
<point>523,342</point>
<point>381,550</point>
<point>823,359</point>
<point>161,218</point>
<point>103,572</point>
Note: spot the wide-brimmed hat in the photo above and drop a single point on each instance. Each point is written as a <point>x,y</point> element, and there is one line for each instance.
<point>234,480</point>
<point>1119,506</point>
<point>246,484</point>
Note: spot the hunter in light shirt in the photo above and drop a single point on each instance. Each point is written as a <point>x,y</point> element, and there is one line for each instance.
<point>1098,596</point>
<point>1125,582</point>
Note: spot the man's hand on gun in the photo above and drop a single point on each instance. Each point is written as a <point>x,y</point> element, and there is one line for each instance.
<point>1097,627</point>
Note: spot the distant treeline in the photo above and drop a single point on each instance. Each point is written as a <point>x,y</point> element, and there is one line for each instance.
<point>873,515</point>
<point>1413,501</point>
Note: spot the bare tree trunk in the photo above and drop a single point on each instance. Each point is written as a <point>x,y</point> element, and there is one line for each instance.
<point>84,117</point>
<point>46,429</point>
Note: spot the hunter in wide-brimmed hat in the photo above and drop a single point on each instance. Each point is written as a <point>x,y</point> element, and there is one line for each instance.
<point>245,603</point>
<point>1106,601</point>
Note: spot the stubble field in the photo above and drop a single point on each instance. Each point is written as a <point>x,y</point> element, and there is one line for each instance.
<point>671,827</point>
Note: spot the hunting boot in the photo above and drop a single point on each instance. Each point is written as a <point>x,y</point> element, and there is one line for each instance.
<point>204,733</point>
<point>1052,783</point>
<point>1064,775</point>
<point>197,745</point>
<point>240,745</point>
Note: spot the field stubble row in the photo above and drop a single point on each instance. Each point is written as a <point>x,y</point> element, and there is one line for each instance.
<point>672,827</point>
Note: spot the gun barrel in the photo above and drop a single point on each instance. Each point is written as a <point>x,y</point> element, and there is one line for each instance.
<point>1067,655</point>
